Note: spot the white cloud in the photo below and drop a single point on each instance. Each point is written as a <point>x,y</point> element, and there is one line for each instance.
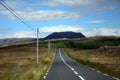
<point>88,33</point>
<point>90,5</point>
<point>96,21</point>
<point>44,31</point>
<point>60,28</point>
<point>14,4</point>
<point>104,8</point>
<point>70,2</point>
<point>30,13</point>
<point>65,2</point>
<point>43,15</point>
<point>85,7</point>
<point>102,32</point>
<point>23,34</point>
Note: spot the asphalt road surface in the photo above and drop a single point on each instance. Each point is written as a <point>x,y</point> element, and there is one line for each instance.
<point>64,68</point>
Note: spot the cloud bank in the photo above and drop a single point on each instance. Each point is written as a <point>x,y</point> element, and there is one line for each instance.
<point>44,31</point>
<point>43,15</point>
<point>30,13</point>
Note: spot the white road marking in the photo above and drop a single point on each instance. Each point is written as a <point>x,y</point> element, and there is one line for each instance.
<point>81,77</point>
<point>45,75</point>
<point>75,72</point>
<point>98,71</point>
<point>47,71</point>
<point>72,69</point>
<point>70,66</point>
<point>91,67</point>
<point>106,74</point>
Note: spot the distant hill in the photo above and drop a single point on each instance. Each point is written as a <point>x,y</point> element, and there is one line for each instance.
<point>55,35</point>
<point>68,35</point>
<point>14,40</point>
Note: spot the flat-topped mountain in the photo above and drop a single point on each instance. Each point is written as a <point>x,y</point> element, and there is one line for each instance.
<point>68,35</point>
<point>55,35</point>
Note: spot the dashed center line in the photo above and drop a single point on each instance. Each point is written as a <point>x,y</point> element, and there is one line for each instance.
<point>70,67</point>
<point>75,72</point>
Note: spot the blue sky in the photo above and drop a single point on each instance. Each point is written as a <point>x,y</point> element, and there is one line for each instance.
<point>90,17</point>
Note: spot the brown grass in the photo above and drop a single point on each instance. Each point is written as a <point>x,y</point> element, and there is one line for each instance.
<point>105,62</point>
<point>15,61</point>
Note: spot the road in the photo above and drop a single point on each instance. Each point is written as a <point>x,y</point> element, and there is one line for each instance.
<point>64,68</point>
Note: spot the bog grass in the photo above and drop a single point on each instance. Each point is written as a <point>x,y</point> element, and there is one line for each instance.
<point>19,63</point>
<point>104,62</point>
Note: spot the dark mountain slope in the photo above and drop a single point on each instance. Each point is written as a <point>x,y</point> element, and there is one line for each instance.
<point>68,35</point>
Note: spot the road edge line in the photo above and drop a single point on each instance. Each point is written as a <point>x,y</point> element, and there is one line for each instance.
<point>92,68</point>
<point>75,72</point>
<point>48,69</point>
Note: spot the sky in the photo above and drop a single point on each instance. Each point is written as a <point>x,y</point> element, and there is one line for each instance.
<point>90,17</point>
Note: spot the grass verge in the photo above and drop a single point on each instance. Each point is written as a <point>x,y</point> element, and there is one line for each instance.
<point>19,63</point>
<point>96,61</point>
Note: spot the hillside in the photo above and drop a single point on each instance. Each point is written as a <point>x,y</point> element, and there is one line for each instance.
<point>68,35</point>
<point>7,41</point>
<point>55,35</point>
